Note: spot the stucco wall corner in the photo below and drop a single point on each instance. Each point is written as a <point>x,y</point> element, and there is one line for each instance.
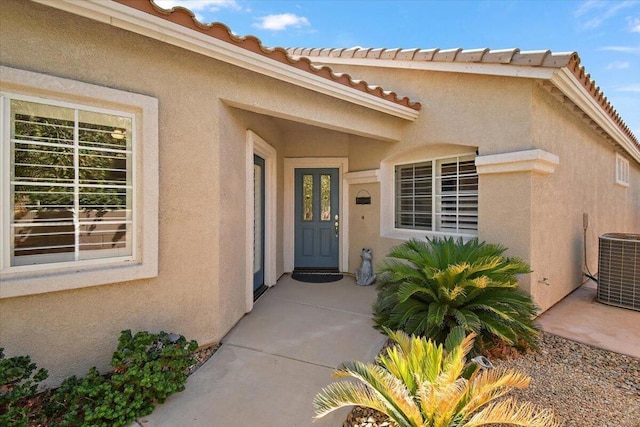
<point>536,161</point>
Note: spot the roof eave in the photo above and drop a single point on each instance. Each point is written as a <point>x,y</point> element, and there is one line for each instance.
<point>570,86</point>
<point>456,67</point>
<point>125,17</point>
<point>563,78</point>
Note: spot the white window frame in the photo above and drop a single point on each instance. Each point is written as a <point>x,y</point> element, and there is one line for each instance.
<point>5,261</point>
<point>143,262</point>
<point>622,171</point>
<point>388,206</point>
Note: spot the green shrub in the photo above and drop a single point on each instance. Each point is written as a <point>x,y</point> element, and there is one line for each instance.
<point>147,368</point>
<point>431,287</point>
<point>418,383</point>
<point>17,384</point>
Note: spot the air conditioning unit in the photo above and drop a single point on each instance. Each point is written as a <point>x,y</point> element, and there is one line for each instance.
<point>619,270</point>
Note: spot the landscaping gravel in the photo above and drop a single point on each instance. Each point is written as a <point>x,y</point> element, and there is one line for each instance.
<point>585,386</point>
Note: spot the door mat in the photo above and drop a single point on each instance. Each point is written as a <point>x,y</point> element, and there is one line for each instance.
<point>316,277</point>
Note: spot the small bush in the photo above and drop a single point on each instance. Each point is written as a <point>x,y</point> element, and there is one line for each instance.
<point>147,368</point>
<point>432,287</point>
<point>17,383</point>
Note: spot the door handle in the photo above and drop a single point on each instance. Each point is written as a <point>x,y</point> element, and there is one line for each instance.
<point>336,225</point>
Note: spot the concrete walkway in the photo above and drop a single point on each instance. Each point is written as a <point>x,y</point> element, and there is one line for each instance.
<point>275,360</point>
<point>279,356</point>
<point>580,317</point>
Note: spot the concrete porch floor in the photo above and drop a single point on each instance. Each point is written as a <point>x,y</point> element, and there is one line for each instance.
<point>580,317</point>
<point>277,358</point>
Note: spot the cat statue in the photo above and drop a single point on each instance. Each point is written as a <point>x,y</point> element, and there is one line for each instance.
<point>364,275</point>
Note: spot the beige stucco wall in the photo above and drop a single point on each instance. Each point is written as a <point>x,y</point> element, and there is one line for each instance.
<point>538,217</point>
<point>583,182</point>
<point>200,289</point>
<point>487,113</point>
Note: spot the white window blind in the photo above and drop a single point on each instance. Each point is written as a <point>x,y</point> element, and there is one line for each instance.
<point>622,170</point>
<point>70,183</point>
<point>438,195</point>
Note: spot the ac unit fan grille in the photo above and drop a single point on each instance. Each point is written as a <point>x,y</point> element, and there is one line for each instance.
<point>619,270</point>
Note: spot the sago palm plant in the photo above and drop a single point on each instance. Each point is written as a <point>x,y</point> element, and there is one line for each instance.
<point>431,287</point>
<point>417,383</point>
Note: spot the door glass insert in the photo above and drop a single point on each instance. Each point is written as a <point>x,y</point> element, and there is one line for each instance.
<point>325,197</point>
<point>307,197</point>
<point>257,218</point>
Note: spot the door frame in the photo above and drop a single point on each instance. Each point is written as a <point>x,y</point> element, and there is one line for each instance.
<point>258,146</point>
<point>290,165</point>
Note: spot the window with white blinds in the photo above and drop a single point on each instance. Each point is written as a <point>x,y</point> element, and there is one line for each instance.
<point>622,170</point>
<point>438,195</point>
<point>70,182</point>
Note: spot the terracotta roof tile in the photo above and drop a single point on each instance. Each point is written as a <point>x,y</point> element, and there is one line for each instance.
<point>471,55</point>
<point>448,55</point>
<point>361,53</point>
<point>348,53</point>
<point>375,53</point>
<point>531,58</point>
<point>389,53</point>
<point>502,56</point>
<point>186,18</point>
<point>406,54</point>
<point>513,57</point>
<point>425,54</point>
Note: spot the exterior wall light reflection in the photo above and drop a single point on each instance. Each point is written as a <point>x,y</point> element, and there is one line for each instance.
<point>118,134</point>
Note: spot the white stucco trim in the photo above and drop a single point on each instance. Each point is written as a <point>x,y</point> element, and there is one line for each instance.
<point>21,281</point>
<point>290,164</point>
<point>569,85</point>
<point>363,177</point>
<point>258,146</point>
<point>537,161</point>
<point>121,16</point>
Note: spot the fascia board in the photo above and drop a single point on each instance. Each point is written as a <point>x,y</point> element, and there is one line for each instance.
<point>133,20</point>
<point>451,67</point>
<point>569,85</point>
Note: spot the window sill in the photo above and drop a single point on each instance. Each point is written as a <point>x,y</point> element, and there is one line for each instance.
<point>401,234</point>
<point>16,284</point>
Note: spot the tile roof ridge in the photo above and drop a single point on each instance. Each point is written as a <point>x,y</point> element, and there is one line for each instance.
<point>514,56</point>
<point>509,56</point>
<point>186,18</point>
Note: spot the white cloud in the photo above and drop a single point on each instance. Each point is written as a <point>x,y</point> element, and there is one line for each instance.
<point>586,7</point>
<point>634,25</point>
<point>618,65</point>
<point>622,49</point>
<point>281,22</point>
<point>635,88</point>
<point>595,12</point>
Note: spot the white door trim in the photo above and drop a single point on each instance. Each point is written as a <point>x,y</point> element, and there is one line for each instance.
<point>290,164</point>
<point>258,146</point>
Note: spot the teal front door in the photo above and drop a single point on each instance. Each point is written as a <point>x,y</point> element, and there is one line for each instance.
<point>258,223</point>
<point>317,221</point>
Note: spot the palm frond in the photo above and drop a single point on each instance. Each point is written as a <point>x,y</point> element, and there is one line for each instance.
<point>510,412</point>
<point>386,388</point>
<point>340,394</point>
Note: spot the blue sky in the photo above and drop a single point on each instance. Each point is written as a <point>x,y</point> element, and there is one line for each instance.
<point>606,34</point>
